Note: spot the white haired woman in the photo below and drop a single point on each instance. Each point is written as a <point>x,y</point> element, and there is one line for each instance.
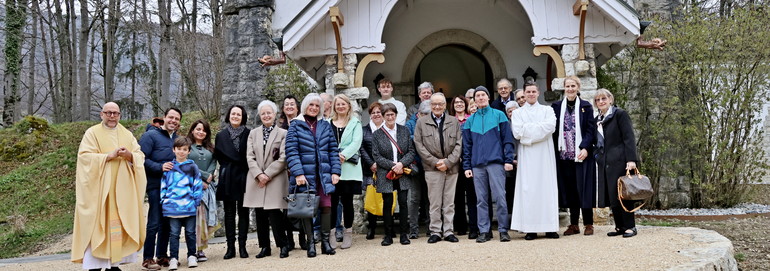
<point>313,160</point>
<point>615,153</point>
<point>267,183</point>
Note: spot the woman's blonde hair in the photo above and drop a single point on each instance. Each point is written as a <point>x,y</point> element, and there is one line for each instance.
<point>344,98</point>
<point>574,79</point>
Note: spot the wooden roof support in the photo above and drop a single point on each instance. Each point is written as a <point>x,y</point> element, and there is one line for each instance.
<point>359,79</point>
<point>337,22</point>
<point>548,50</point>
<point>581,8</point>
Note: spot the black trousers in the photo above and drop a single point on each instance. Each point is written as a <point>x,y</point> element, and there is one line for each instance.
<point>347,208</point>
<point>267,219</point>
<point>510,189</point>
<point>623,220</point>
<point>231,206</point>
<point>403,211</point>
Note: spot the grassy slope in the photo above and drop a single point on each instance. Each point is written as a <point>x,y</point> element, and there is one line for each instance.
<point>38,188</point>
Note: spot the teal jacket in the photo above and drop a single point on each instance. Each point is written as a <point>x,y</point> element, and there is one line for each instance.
<point>350,144</point>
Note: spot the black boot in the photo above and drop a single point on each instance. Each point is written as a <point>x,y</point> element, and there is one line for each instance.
<point>285,252</point>
<point>310,247</point>
<point>370,233</point>
<point>290,241</point>
<point>242,250</point>
<point>230,251</point>
<point>302,241</point>
<point>326,248</point>
<point>264,252</point>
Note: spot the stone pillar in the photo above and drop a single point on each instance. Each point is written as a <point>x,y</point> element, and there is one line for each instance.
<point>247,37</point>
<point>358,95</point>
<point>583,69</point>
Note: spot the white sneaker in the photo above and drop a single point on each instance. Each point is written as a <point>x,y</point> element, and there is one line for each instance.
<point>173,264</point>
<point>192,261</point>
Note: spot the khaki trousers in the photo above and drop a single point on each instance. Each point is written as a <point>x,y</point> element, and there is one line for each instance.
<point>441,195</point>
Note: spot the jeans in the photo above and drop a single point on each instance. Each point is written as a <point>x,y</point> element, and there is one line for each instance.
<point>156,225</point>
<point>491,178</point>
<point>175,225</point>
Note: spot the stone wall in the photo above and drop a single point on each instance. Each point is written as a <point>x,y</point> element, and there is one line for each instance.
<point>247,38</point>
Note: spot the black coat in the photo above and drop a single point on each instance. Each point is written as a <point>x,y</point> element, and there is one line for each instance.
<point>383,155</point>
<point>585,173</point>
<point>232,165</point>
<point>617,147</point>
<point>366,152</point>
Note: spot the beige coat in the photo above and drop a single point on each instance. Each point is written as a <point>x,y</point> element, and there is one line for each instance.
<point>270,160</point>
<point>428,146</point>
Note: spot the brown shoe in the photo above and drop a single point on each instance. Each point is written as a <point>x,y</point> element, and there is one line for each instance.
<point>163,262</point>
<point>150,264</point>
<point>589,230</point>
<point>572,229</point>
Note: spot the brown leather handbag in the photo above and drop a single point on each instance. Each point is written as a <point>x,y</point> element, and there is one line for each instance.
<point>634,187</point>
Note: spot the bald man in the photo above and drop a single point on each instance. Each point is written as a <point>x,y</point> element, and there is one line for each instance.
<point>110,185</point>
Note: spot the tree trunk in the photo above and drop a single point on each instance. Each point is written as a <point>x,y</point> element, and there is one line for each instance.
<point>16,16</point>
<point>79,110</point>
<point>64,108</point>
<point>113,19</point>
<point>164,13</point>
<point>217,49</point>
<point>84,92</point>
<point>32,55</point>
<point>153,91</point>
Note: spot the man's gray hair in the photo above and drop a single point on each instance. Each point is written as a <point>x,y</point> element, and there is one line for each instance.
<point>511,104</point>
<point>425,85</point>
<point>269,103</point>
<point>327,97</point>
<point>438,94</point>
<point>425,107</point>
<point>312,97</point>
<point>517,92</point>
<point>469,93</point>
<point>506,81</point>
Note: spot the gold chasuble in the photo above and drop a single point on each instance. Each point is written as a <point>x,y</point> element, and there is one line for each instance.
<point>109,213</point>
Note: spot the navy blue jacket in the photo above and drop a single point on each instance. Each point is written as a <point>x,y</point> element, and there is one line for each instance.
<point>303,150</point>
<point>158,148</point>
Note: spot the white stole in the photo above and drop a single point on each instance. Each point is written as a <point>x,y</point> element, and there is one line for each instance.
<point>578,133</point>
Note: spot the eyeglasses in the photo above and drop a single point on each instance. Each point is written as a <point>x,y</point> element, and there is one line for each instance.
<point>375,113</point>
<point>436,104</point>
<point>111,113</point>
<point>601,99</point>
<point>391,114</point>
<point>503,88</point>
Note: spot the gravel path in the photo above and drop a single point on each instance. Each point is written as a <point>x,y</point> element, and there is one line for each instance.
<point>576,252</point>
<point>740,209</point>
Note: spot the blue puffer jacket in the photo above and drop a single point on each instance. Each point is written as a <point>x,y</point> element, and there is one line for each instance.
<point>158,148</point>
<point>303,150</point>
<point>181,190</point>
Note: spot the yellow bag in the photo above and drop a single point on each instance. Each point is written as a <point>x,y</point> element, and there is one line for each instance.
<point>373,201</point>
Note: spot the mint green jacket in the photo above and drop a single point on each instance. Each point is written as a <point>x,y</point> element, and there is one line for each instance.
<point>350,143</point>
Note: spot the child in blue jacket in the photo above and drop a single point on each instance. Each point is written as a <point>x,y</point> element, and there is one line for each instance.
<point>181,190</point>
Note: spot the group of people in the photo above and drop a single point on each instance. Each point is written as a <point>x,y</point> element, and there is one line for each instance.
<point>526,158</point>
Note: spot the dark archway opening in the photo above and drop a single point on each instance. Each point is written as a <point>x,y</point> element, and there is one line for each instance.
<point>453,69</point>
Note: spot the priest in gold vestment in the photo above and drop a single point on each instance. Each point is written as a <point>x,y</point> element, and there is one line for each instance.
<point>109,226</point>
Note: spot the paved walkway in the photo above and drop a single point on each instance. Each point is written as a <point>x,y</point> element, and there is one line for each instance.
<point>655,248</point>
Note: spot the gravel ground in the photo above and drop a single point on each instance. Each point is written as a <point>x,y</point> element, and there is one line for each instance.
<point>743,208</point>
<point>576,252</point>
<point>749,237</point>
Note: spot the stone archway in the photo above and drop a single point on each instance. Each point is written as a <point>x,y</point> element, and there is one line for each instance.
<point>453,37</point>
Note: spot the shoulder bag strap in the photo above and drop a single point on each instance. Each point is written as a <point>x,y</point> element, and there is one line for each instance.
<point>391,140</point>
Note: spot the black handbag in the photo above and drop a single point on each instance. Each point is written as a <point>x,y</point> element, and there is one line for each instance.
<point>302,205</point>
<point>353,159</point>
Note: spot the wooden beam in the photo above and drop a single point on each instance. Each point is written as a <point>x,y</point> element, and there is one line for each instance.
<point>581,8</point>
<point>337,22</point>
<point>548,50</point>
<point>359,80</point>
<point>578,6</point>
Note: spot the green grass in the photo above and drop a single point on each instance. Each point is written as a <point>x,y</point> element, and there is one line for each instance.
<point>740,257</point>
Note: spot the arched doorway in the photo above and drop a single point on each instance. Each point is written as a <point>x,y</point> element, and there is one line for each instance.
<point>453,69</point>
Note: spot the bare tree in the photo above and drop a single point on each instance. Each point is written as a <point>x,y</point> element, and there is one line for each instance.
<point>16,16</point>
<point>164,13</point>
